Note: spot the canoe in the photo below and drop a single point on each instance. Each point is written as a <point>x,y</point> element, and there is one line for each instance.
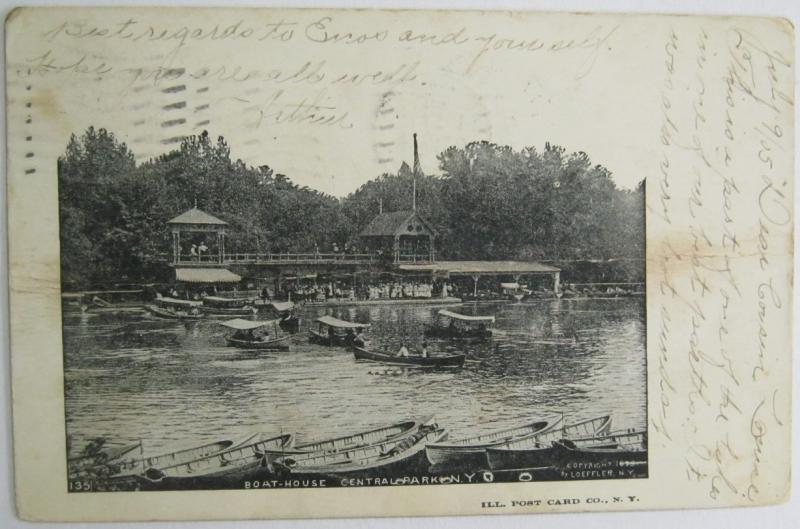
<point>158,311</point>
<point>104,457</point>
<point>471,451</point>
<point>399,457</point>
<point>238,462</point>
<point>346,442</point>
<point>278,344</point>
<point>430,361</point>
<point>536,451</point>
<point>614,448</point>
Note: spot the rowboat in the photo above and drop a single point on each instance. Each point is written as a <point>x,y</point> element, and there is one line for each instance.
<point>471,451</point>
<point>427,361</point>
<point>536,450</point>
<point>105,456</point>
<point>454,325</point>
<point>262,335</point>
<point>333,331</point>
<point>399,457</point>
<point>366,438</point>
<point>134,466</point>
<point>176,309</point>
<point>235,463</point>
<point>615,447</point>
<point>228,306</point>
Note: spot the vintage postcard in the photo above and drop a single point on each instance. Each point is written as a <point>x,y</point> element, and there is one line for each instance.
<point>275,263</point>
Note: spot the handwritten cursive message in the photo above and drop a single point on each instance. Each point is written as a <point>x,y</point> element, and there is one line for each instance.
<point>722,207</point>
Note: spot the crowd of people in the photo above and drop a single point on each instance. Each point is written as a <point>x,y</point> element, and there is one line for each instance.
<point>336,290</point>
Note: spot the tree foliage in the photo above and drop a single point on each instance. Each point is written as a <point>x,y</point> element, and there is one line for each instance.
<point>489,202</point>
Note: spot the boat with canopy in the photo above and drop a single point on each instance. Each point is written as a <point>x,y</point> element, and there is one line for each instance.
<point>228,306</point>
<point>285,312</point>
<point>333,331</point>
<point>450,324</point>
<point>176,309</point>
<point>514,291</point>
<point>263,335</point>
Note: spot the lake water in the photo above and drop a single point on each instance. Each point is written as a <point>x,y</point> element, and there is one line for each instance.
<point>131,376</point>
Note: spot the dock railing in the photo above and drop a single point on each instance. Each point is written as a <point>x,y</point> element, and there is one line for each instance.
<point>291,258</point>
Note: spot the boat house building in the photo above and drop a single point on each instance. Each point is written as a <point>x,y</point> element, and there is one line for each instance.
<point>400,236</point>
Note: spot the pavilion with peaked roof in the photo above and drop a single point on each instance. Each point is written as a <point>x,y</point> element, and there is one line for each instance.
<point>192,223</point>
<point>404,235</point>
<point>194,226</point>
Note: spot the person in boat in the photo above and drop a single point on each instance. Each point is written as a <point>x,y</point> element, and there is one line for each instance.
<point>349,337</point>
<point>202,249</point>
<point>193,252</point>
<point>359,340</point>
<point>403,352</point>
<point>331,335</point>
<point>424,348</point>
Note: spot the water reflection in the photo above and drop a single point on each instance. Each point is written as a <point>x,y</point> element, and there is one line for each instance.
<point>130,376</point>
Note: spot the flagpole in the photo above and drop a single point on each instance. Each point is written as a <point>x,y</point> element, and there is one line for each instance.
<point>416,165</point>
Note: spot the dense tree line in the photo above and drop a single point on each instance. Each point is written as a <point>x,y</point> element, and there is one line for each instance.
<point>489,202</point>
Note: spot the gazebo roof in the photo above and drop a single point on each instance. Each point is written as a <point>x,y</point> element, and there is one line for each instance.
<point>196,216</point>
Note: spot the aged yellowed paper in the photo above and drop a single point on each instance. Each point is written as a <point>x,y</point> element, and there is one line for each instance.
<point>272,263</point>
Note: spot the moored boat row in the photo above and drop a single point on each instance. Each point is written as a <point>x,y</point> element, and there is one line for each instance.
<point>184,309</point>
<point>404,448</point>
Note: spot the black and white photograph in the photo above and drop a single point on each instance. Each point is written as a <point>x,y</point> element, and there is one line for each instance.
<point>225,327</point>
